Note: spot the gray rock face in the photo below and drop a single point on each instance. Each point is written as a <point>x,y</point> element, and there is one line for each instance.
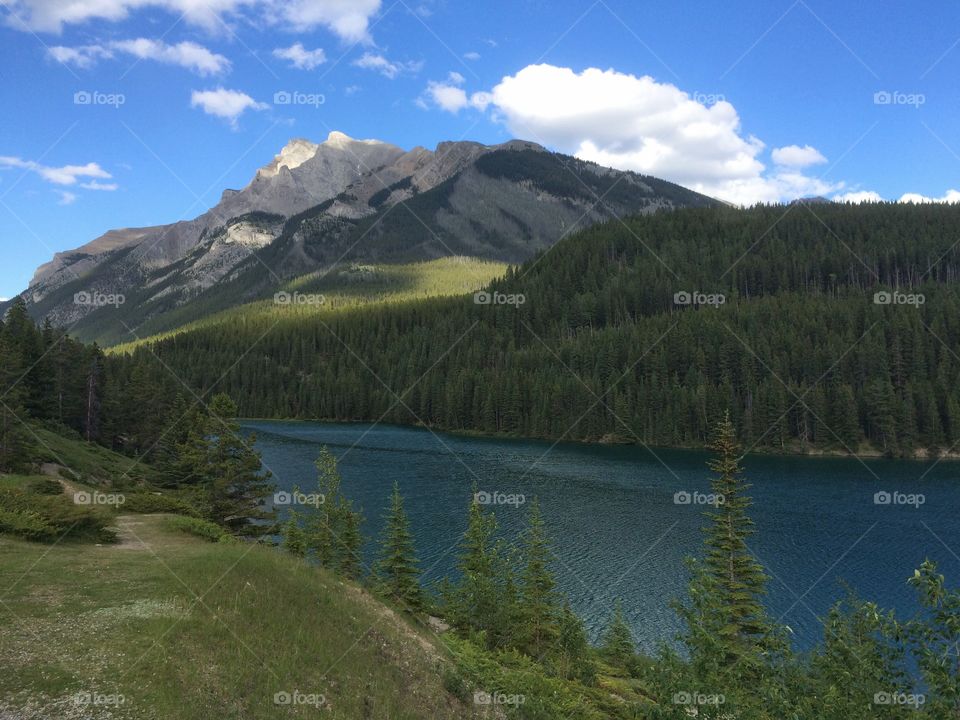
<point>302,175</point>
<point>316,203</point>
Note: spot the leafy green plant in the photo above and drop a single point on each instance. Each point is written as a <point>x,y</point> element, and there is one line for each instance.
<point>197,526</point>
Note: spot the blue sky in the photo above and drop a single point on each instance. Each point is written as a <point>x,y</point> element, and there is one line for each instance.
<point>120,113</point>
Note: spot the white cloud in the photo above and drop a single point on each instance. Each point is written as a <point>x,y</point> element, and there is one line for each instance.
<point>95,185</point>
<point>951,196</point>
<point>636,123</point>
<point>65,175</point>
<point>349,19</point>
<point>472,55</point>
<point>83,56</point>
<point>447,97</point>
<point>387,68</point>
<point>188,55</point>
<point>226,104</point>
<point>450,96</point>
<point>301,58</point>
<point>858,196</point>
<point>185,54</point>
<point>797,157</point>
<point>66,198</point>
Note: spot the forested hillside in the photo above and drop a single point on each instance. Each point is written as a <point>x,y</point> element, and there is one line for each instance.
<point>801,349</point>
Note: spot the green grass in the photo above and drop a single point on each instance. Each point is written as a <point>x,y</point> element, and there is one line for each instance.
<point>87,462</point>
<point>126,620</point>
<point>355,286</point>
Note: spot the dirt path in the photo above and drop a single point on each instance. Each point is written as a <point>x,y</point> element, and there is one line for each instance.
<point>130,528</point>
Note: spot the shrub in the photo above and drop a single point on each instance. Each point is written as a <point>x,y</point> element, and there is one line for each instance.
<point>157,503</point>
<point>48,518</point>
<point>45,486</point>
<point>196,526</point>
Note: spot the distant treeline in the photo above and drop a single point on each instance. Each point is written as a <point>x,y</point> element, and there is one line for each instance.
<point>802,349</point>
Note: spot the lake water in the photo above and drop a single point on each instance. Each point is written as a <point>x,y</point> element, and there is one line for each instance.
<point>617,530</point>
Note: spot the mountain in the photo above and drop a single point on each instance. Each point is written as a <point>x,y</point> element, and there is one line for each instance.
<point>316,205</point>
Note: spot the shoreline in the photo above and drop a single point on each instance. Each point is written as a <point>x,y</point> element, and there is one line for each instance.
<point>919,455</point>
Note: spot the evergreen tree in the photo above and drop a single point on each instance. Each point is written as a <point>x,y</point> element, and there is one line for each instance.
<point>349,539</point>
<point>333,530</point>
<point>15,440</point>
<point>617,643</point>
<point>726,624</point>
<point>294,537</point>
<point>539,603</point>
<point>475,598</point>
<point>397,570</point>
<point>228,471</point>
<point>573,659</point>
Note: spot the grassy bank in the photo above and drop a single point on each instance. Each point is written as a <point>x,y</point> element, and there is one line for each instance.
<point>180,627</point>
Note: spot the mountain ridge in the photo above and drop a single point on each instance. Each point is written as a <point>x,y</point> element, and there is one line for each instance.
<point>342,200</point>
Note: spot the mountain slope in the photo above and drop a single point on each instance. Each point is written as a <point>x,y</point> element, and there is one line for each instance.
<point>343,200</point>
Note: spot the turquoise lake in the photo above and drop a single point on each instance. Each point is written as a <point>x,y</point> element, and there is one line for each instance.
<point>618,530</point>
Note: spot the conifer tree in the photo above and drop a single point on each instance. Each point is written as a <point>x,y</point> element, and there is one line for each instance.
<point>294,537</point>
<point>228,470</point>
<point>349,539</point>
<point>726,624</point>
<point>397,571</point>
<point>475,597</point>
<point>539,603</point>
<point>617,643</point>
<point>573,656</point>
<point>15,440</point>
<point>333,531</point>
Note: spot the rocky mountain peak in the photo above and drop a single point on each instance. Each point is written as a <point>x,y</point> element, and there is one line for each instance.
<point>293,155</point>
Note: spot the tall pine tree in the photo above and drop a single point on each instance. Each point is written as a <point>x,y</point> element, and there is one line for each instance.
<point>726,625</point>
<point>397,573</point>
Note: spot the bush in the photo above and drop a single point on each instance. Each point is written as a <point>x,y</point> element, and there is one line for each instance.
<point>157,503</point>
<point>201,528</point>
<point>47,518</point>
<point>27,525</point>
<point>45,486</point>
